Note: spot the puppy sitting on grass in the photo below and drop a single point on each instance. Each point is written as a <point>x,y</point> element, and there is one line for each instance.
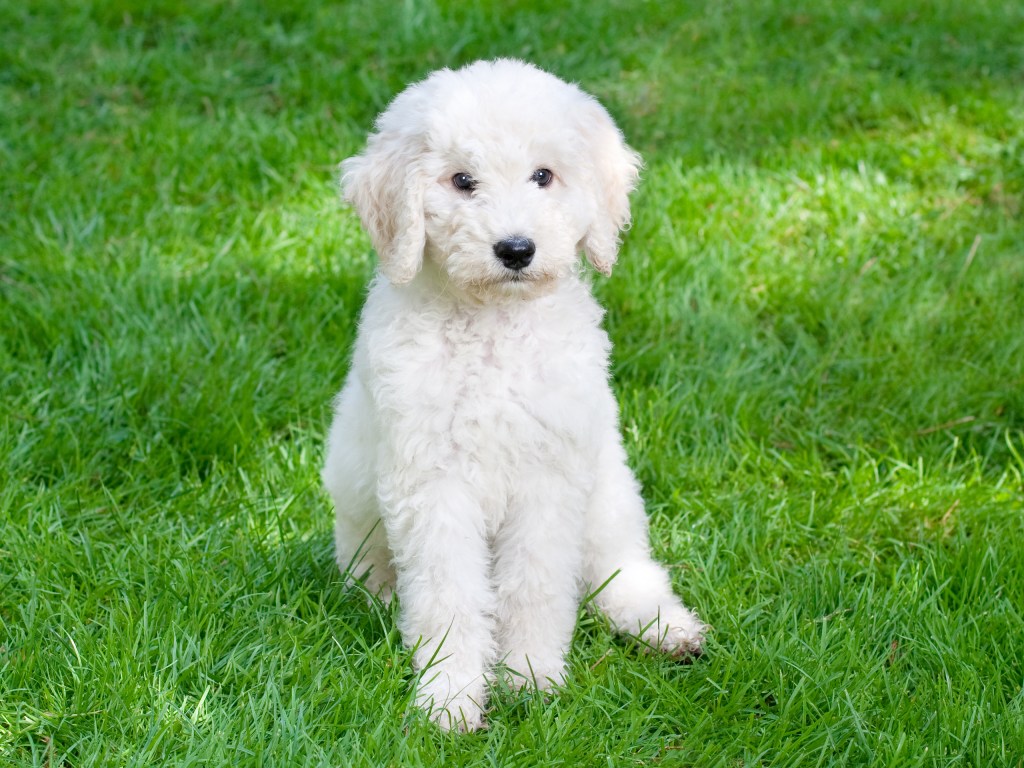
<point>474,460</point>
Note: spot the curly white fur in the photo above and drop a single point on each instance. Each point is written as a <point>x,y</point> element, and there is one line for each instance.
<point>474,460</point>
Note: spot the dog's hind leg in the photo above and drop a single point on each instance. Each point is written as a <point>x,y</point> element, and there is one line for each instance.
<point>361,548</point>
<point>632,590</point>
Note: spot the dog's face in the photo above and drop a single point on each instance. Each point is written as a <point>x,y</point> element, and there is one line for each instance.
<point>498,173</point>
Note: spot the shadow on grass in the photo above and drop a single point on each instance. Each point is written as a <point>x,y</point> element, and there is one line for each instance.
<point>744,93</point>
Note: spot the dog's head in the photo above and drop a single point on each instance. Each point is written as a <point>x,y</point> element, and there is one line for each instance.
<point>499,173</point>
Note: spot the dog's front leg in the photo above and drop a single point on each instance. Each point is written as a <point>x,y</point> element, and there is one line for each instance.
<point>538,577</point>
<point>441,557</point>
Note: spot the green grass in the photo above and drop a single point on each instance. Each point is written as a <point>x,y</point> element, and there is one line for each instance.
<point>819,328</point>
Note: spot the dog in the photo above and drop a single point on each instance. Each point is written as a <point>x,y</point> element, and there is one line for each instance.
<point>474,459</point>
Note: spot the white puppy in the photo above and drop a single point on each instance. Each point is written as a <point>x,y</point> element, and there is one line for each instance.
<point>474,460</point>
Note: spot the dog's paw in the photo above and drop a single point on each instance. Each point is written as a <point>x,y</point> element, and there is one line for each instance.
<point>462,711</point>
<point>461,714</point>
<point>385,592</point>
<point>677,632</point>
<point>520,671</point>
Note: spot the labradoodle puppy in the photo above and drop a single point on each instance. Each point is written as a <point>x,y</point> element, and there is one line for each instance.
<point>474,460</point>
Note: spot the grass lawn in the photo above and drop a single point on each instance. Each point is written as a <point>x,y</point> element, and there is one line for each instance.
<point>819,328</point>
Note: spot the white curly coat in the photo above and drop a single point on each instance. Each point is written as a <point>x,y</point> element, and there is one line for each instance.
<point>475,461</point>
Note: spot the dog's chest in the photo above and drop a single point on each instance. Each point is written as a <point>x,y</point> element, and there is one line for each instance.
<point>518,382</point>
<point>488,382</point>
<point>488,396</point>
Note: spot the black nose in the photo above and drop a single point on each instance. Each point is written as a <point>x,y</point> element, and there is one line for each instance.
<point>515,252</point>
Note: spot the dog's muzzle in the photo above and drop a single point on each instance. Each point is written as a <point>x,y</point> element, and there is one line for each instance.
<point>515,252</point>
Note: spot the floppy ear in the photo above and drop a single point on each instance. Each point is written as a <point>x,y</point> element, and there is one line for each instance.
<point>384,185</point>
<point>616,170</point>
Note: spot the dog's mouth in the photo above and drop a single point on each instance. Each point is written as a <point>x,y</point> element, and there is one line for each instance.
<point>529,276</point>
<point>463,271</point>
<point>523,280</point>
<point>514,284</point>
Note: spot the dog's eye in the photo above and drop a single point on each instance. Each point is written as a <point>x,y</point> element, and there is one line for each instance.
<point>464,181</point>
<point>542,177</point>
